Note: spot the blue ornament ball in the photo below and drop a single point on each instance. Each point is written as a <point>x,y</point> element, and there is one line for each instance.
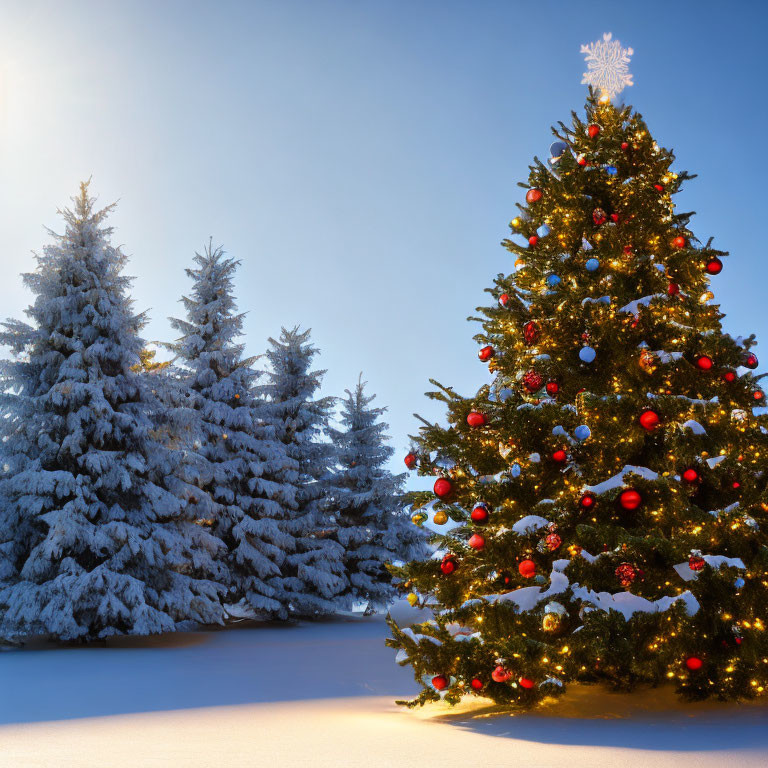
<point>587,355</point>
<point>592,265</point>
<point>611,170</point>
<point>543,230</point>
<point>553,280</point>
<point>558,149</point>
<point>582,432</point>
<point>515,470</point>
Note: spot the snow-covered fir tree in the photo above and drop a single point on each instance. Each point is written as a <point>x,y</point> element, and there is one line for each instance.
<point>96,537</point>
<point>312,574</point>
<point>365,499</point>
<point>247,472</point>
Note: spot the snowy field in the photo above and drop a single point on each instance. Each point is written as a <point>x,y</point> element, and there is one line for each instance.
<point>322,695</point>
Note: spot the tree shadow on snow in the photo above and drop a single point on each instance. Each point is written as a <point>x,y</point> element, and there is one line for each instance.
<point>249,663</point>
<point>650,719</point>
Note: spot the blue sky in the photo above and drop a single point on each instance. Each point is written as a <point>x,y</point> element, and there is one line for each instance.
<point>360,158</point>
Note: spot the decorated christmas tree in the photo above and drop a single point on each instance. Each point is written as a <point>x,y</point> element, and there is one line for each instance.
<point>608,489</point>
<point>96,534</point>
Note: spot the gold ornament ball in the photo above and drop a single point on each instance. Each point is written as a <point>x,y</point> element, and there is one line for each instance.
<point>553,622</point>
<point>412,599</point>
<point>440,518</point>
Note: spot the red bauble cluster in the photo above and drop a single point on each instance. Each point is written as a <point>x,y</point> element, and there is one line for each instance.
<point>443,488</point>
<point>486,353</point>
<point>599,216</point>
<point>480,514</point>
<point>696,562</point>
<point>527,569</point>
<point>476,419</point>
<point>626,573</point>
<point>630,499</point>
<point>448,565</point>
<point>649,420</point>
<point>714,266</point>
<point>530,332</point>
<point>410,460</point>
<point>533,195</point>
<point>532,381</point>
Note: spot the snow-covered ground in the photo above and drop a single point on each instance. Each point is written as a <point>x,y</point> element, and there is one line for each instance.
<point>323,695</point>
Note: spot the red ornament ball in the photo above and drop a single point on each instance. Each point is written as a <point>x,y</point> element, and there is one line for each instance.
<point>500,675</point>
<point>486,353</point>
<point>443,488</point>
<point>615,218</point>
<point>690,475</point>
<point>714,266</point>
<point>625,145</point>
<point>532,381</point>
<point>410,460</point>
<point>552,388</point>
<point>673,289</point>
<point>599,217</point>
<point>530,332</point>
<point>476,541</point>
<point>758,394</point>
<point>533,195</point>
<point>532,240</point>
<point>658,187</point>
<point>694,663</point>
<point>751,361</point>
<point>696,562</point>
<point>587,501</point>
<point>729,376</point>
<point>476,419</point>
<point>560,456</point>
<point>679,242</point>
<point>626,574</point>
<point>477,683</point>
<point>448,565</point>
<point>553,541</point>
<point>526,683</point>
<point>527,569</point>
<point>593,130</point>
<point>581,160</point>
<point>479,514</point>
<point>630,499</point>
<point>704,362</point>
<point>440,682</point>
<point>649,420</point>
<point>504,300</point>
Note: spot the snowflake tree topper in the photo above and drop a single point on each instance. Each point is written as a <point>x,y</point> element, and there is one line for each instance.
<point>607,66</point>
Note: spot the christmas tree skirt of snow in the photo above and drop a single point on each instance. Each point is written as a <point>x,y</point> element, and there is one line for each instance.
<point>323,695</point>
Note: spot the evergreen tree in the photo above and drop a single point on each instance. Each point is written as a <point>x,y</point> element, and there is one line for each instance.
<point>240,455</point>
<point>609,486</point>
<point>312,573</point>
<point>96,536</point>
<point>365,500</point>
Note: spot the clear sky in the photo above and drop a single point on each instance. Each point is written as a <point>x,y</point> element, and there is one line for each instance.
<point>360,158</point>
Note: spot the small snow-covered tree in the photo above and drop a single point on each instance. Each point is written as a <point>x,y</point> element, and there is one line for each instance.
<point>242,459</point>
<point>312,573</point>
<point>365,500</point>
<point>95,534</point>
